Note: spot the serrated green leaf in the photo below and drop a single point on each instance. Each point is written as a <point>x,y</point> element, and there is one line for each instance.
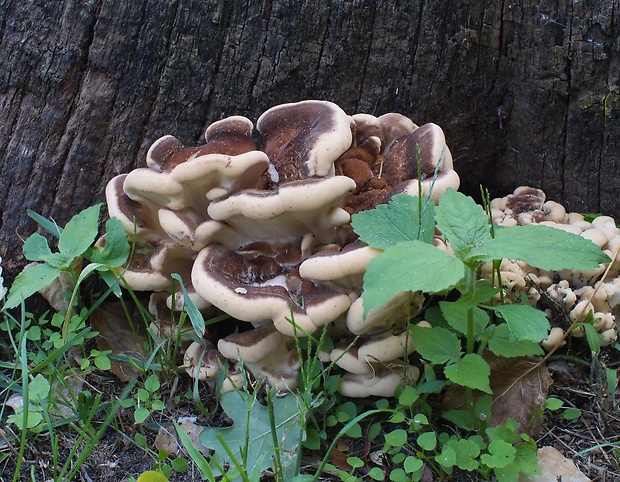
<point>116,249</point>
<point>397,221</point>
<point>409,266</point>
<point>455,313</point>
<point>29,281</point>
<point>80,232</point>
<point>470,371</point>
<point>462,222</point>
<point>502,343</point>
<point>485,291</point>
<point>542,247</point>
<point>251,432</point>
<point>525,323</point>
<point>437,345</point>
<point>36,248</point>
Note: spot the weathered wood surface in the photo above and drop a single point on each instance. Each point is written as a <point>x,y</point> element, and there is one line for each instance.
<point>526,92</point>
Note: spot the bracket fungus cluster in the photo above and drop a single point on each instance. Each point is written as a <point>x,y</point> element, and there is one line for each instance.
<point>257,224</point>
<point>573,293</point>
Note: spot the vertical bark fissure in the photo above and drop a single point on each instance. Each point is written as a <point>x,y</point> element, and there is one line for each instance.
<point>88,45</point>
<point>134,148</point>
<point>117,92</point>
<point>569,53</point>
<point>162,68</point>
<point>603,149</point>
<point>323,42</point>
<point>14,120</point>
<point>414,50</point>
<point>261,55</point>
<point>367,59</point>
<point>500,48</point>
<point>6,9</point>
<point>216,70</point>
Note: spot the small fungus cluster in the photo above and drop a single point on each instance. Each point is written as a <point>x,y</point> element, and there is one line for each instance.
<point>571,293</point>
<point>257,224</point>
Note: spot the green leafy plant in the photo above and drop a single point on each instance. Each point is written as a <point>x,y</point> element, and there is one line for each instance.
<point>472,324</point>
<point>416,265</point>
<point>261,437</point>
<point>74,242</point>
<point>146,399</point>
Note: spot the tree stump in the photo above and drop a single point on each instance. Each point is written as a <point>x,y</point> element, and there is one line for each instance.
<point>526,92</point>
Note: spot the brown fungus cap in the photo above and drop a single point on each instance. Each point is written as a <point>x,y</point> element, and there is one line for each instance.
<point>371,354</point>
<point>258,290</point>
<point>153,263</point>
<point>381,383</point>
<point>387,128</point>
<point>304,139</point>
<point>191,184</point>
<point>202,361</point>
<point>135,217</point>
<point>394,314</point>
<point>296,208</point>
<point>344,267</point>
<point>401,160</point>
<point>266,352</point>
<point>231,136</point>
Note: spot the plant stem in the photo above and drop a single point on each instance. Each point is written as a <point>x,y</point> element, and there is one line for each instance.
<point>471,288</point>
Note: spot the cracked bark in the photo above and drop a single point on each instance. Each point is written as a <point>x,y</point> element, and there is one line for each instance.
<point>527,92</point>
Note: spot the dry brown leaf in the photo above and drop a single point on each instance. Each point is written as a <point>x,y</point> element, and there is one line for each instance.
<point>554,466</point>
<point>58,292</point>
<point>116,334</point>
<point>339,460</point>
<point>168,441</point>
<point>519,388</point>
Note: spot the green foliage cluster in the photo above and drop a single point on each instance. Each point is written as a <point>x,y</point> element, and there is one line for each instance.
<point>269,431</point>
<point>410,262</point>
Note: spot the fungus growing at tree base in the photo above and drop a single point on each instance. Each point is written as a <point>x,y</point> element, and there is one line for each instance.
<point>257,224</point>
